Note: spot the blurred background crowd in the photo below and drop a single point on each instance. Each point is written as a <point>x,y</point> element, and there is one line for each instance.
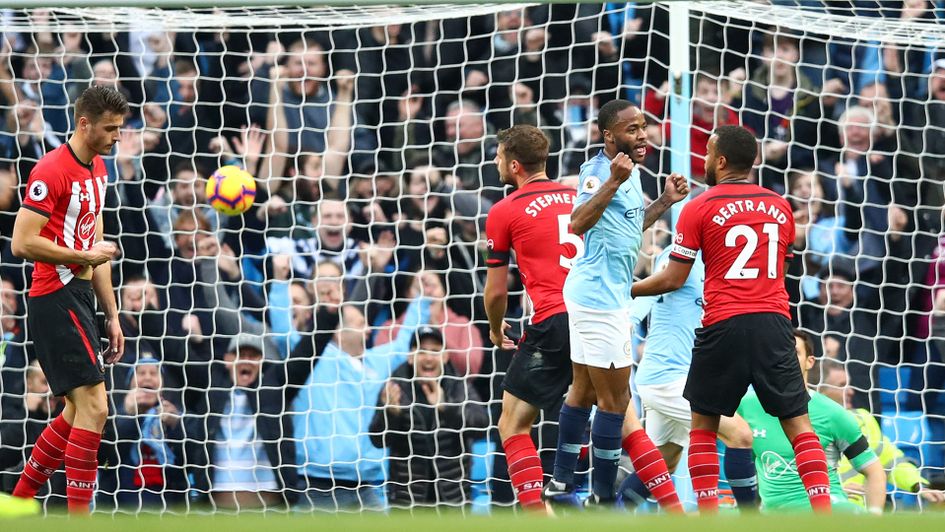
<point>329,347</point>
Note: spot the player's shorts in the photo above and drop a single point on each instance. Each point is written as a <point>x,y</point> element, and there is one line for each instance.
<point>668,417</point>
<point>749,349</point>
<point>65,337</point>
<point>540,372</point>
<point>600,338</point>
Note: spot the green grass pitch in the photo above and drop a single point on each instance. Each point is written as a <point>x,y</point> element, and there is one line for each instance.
<point>502,522</point>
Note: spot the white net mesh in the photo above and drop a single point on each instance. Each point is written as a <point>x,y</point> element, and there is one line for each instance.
<point>373,190</point>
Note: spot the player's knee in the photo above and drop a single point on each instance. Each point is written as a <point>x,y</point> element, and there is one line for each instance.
<point>742,438</point>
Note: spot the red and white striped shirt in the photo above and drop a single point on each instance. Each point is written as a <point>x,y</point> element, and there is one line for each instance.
<point>69,193</point>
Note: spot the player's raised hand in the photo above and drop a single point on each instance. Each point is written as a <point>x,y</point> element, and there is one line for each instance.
<point>620,168</point>
<point>100,253</point>
<point>676,188</point>
<point>500,340</point>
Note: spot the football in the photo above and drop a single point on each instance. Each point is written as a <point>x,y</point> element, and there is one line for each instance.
<point>231,190</point>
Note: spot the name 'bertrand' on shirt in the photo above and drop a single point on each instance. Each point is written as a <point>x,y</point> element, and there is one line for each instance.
<point>547,200</point>
<point>731,209</point>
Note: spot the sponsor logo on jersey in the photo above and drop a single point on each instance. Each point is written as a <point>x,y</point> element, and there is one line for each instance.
<point>628,349</point>
<point>759,433</point>
<point>632,214</point>
<point>679,238</point>
<point>38,190</point>
<point>87,226</point>
<point>775,466</point>
<point>490,243</point>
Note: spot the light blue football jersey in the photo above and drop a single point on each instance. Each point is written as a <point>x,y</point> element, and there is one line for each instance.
<point>674,318</point>
<point>601,278</point>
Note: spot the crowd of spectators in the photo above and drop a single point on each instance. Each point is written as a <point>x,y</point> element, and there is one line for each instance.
<point>329,347</point>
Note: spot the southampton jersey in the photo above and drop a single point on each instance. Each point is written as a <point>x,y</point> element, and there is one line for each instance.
<point>779,485</point>
<point>674,318</point>
<point>70,194</point>
<point>745,232</point>
<point>534,221</point>
<point>601,279</point>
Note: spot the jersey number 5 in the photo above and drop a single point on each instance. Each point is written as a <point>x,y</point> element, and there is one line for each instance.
<point>567,237</point>
<point>738,269</point>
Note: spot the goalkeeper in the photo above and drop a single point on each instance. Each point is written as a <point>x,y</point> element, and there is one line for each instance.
<point>780,486</point>
<point>903,474</point>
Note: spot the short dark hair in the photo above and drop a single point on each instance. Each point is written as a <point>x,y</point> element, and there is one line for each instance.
<point>738,145</point>
<point>806,341</point>
<point>525,144</point>
<point>95,101</point>
<point>607,116</point>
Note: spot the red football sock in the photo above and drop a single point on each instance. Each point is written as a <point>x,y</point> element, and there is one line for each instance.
<point>652,470</point>
<point>45,459</point>
<point>81,469</point>
<point>704,469</point>
<point>812,468</point>
<point>525,470</point>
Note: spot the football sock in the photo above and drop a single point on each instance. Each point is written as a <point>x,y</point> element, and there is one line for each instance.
<point>812,468</point>
<point>524,470</point>
<point>81,469</point>
<point>742,477</point>
<point>605,453</point>
<point>652,470</point>
<point>704,469</point>
<point>572,424</point>
<point>46,458</point>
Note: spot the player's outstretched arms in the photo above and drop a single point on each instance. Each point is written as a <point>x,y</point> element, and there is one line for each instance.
<point>667,280</point>
<point>675,190</point>
<point>28,244</point>
<point>587,214</point>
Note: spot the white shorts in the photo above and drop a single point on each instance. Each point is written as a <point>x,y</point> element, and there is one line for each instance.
<point>600,338</point>
<point>667,414</point>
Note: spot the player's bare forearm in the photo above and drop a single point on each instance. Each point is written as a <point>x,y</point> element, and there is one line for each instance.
<point>586,215</point>
<point>667,280</point>
<point>496,296</point>
<point>875,486</point>
<point>655,211</point>
<point>28,244</point>
<point>104,292</point>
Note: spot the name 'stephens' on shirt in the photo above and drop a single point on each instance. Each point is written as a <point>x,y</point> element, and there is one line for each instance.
<point>546,200</point>
<point>732,208</point>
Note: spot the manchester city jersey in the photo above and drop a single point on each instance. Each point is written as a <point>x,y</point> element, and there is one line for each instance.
<point>674,318</point>
<point>601,278</point>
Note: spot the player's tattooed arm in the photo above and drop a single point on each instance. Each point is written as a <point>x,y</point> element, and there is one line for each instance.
<point>676,190</point>
<point>587,214</point>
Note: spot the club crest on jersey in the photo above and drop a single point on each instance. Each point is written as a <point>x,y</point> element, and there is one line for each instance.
<point>591,183</point>
<point>87,226</point>
<point>38,191</point>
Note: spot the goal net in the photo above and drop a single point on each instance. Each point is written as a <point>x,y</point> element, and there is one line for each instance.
<point>290,356</point>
